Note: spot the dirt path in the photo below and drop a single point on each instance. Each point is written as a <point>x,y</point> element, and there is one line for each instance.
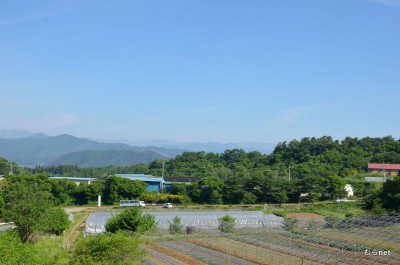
<point>307,216</point>
<point>75,231</point>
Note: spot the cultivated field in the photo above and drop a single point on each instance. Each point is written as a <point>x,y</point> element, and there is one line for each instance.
<point>372,240</point>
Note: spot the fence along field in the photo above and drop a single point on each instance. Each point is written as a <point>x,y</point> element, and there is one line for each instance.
<point>364,240</point>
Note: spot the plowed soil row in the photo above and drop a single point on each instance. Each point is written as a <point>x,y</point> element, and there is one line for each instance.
<point>348,256</point>
<point>177,256</point>
<point>214,258</point>
<point>251,253</point>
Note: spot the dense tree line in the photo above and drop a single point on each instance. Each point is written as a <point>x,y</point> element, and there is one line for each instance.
<point>49,192</point>
<point>310,169</point>
<point>388,197</point>
<point>313,157</point>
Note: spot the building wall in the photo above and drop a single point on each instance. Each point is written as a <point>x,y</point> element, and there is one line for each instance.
<point>153,186</point>
<point>386,172</point>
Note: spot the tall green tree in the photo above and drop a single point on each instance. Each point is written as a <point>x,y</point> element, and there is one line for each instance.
<point>117,188</point>
<point>63,191</point>
<point>26,202</point>
<point>233,190</point>
<point>208,190</point>
<point>335,187</point>
<point>390,194</point>
<point>55,221</point>
<point>4,166</point>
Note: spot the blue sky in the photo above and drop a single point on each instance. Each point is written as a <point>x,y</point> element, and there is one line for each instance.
<point>225,71</point>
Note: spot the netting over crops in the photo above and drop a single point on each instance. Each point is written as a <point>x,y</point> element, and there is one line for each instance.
<point>202,219</point>
<point>363,240</point>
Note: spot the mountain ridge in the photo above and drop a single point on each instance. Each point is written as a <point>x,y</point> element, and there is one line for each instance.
<point>42,151</point>
<point>103,158</point>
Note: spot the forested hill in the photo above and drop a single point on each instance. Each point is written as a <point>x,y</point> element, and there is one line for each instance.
<point>95,158</point>
<point>320,157</point>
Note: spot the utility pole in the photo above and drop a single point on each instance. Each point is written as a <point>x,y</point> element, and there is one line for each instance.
<point>11,169</point>
<point>289,172</point>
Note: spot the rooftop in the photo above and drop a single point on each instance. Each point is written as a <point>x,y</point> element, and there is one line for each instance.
<point>73,178</point>
<point>384,166</point>
<point>141,177</point>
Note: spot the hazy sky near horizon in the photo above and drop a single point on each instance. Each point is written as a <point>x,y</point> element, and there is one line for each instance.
<point>225,71</point>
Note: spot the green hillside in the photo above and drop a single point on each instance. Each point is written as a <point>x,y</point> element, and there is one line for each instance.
<point>94,158</point>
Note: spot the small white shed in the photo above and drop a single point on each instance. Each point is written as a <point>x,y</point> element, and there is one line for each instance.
<point>349,189</point>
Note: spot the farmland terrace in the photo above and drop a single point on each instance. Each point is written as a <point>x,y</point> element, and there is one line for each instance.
<point>266,239</point>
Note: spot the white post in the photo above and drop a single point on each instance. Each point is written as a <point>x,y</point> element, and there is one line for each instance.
<point>99,201</point>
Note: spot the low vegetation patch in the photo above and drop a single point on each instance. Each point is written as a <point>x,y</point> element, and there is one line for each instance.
<point>117,248</point>
<point>338,209</point>
<point>132,221</point>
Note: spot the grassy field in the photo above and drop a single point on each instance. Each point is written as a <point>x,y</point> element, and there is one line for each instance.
<point>338,209</point>
<point>51,249</point>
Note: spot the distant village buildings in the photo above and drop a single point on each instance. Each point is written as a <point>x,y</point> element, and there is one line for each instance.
<point>384,169</point>
<point>154,184</point>
<point>157,184</point>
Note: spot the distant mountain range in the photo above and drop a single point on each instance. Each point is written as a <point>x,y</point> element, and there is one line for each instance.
<point>212,147</point>
<point>17,134</point>
<point>37,149</point>
<point>31,149</point>
<point>95,158</point>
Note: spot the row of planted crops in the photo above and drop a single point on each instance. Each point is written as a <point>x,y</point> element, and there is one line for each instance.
<point>278,246</point>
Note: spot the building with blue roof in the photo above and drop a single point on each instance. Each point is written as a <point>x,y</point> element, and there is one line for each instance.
<point>153,183</point>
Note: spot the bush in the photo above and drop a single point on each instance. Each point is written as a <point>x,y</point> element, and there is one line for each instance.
<point>378,210</point>
<point>290,223</point>
<point>118,248</point>
<point>131,220</point>
<point>190,230</point>
<point>56,221</point>
<point>249,198</point>
<point>349,215</point>
<point>313,225</point>
<point>13,251</point>
<point>226,223</point>
<point>332,222</point>
<point>175,227</point>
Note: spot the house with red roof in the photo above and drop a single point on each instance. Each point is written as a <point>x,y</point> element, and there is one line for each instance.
<point>384,169</point>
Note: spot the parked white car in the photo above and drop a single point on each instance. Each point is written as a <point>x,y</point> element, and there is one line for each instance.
<point>168,205</point>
